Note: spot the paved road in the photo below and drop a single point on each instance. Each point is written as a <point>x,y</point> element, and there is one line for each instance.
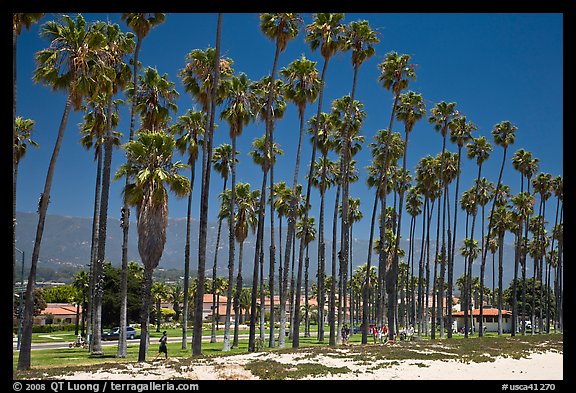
<point>64,344</point>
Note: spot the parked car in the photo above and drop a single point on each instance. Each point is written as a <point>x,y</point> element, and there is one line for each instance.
<point>114,333</point>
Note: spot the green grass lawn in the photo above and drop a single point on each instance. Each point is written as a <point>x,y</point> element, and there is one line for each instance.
<point>48,359</point>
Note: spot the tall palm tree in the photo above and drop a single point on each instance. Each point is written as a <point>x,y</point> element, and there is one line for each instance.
<point>22,139</point>
<point>414,208</point>
<point>190,129</point>
<point>347,117</point>
<point>203,80</point>
<point>460,134</point>
<point>266,158</point>
<point>442,114</point>
<point>479,149</point>
<point>140,24</point>
<point>66,65</point>
<point>504,134</point>
<point>238,112</point>
<point>19,20</point>
<point>355,216</point>
<point>410,109</point>
<point>94,134</point>
<point>360,38</point>
<point>542,185</point>
<point>260,157</point>
<point>485,192</point>
<point>305,228</point>
<point>322,179</point>
<point>281,28</point>
<point>245,217</point>
<point>152,173</point>
<point>395,73</point>
<point>222,162</point>
<point>302,87</point>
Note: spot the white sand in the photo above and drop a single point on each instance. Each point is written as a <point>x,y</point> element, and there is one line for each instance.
<point>539,366</point>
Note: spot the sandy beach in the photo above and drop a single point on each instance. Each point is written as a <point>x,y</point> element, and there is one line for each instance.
<point>537,366</point>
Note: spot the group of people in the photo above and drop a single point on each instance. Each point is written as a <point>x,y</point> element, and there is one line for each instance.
<point>381,334</point>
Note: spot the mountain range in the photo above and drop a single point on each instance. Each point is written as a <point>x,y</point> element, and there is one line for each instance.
<point>66,245</point>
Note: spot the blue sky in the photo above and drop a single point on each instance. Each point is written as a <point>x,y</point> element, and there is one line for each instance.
<point>495,66</point>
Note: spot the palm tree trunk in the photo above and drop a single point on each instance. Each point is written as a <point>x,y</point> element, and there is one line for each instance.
<point>122,344</point>
<point>145,313</point>
<point>500,277</point>
<point>290,236</point>
<point>26,343</point>
<point>450,290</point>
<point>215,306</point>
<point>238,309</point>
<point>197,332</point>
<point>333,333</point>
<point>366,293</point>
<point>321,256</point>
<point>258,260</point>
<point>187,257</point>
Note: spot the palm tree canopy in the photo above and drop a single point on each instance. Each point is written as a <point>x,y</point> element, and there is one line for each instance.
<point>197,76</point>
<point>442,115</point>
<point>280,27</point>
<point>71,61</point>
<point>155,99</point>
<point>359,37</point>
<point>260,155</point>
<point>461,131</point>
<point>479,149</point>
<point>20,20</point>
<point>302,82</point>
<point>395,71</point>
<point>142,23</point>
<point>240,102</point>
<point>504,133</point>
<point>326,32</point>
<point>222,159</point>
<point>22,139</point>
<point>410,109</point>
<point>189,128</point>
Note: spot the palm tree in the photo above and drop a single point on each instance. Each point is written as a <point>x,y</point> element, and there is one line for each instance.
<point>347,117</point>
<point>504,134</point>
<point>485,192</point>
<point>221,161</point>
<point>414,208</point>
<point>266,158</point>
<point>202,79</point>
<point>245,217</point>
<point>19,20</point>
<point>260,157</point>
<point>94,133</point>
<point>395,72</point>
<point>322,179</point>
<point>302,87</point>
<point>238,113</point>
<point>542,185</point>
<point>442,114</point>
<point>410,109</point>
<point>22,138</point>
<point>460,134</point>
<point>360,38</point>
<point>63,66</point>
<point>159,292</point>
<point>305,228</point>
<point>151,172</point>
<point>281,28</point>
<point>355,216</point>
<point>189,128</point>
<point>140,24</point>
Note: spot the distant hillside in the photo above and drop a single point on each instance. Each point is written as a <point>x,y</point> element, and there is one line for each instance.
<point>66,245</point>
